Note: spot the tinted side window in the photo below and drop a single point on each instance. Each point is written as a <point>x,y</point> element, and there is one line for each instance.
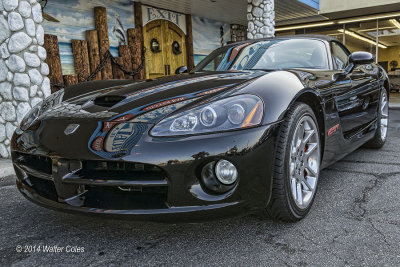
<point>340,56</point>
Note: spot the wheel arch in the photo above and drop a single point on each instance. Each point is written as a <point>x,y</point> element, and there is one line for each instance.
<point>310,97</point>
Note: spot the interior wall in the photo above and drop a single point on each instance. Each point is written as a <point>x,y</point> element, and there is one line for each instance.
<point>389,54</point>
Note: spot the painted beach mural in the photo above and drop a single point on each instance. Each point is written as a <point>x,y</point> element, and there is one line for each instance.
<point>76,16</point>
<point>208,35</point>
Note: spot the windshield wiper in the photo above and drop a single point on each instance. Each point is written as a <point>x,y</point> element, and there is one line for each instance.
<point>263,69</point>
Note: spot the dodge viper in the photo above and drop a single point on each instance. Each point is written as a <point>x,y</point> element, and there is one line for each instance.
<point>247,131</point>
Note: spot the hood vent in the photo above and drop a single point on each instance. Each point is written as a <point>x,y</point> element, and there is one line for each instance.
<point>108,100</point>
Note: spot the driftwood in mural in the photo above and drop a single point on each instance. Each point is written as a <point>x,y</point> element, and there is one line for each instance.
<point>189,43</point>
<point>125,54</point>
<point>94,52</point>
<point>70,79</point>
<point>81,59</point>
<point>100,19</point>
<point>117,72</point>
<point>135,41</point>
<point>53,60</point>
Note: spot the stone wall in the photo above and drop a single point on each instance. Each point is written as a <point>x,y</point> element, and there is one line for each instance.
<point>238,33</point>
<point>23,71</point>
<point>261,19</point>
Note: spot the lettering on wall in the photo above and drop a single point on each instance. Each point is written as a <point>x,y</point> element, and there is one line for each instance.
<point>152,13</point>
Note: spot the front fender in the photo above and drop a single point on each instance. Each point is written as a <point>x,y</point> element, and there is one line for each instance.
<point>279,90</point>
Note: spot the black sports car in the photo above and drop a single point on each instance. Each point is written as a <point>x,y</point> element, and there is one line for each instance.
<point>248,130</point>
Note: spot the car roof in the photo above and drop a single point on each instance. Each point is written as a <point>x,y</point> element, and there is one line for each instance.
<point>297,36</point>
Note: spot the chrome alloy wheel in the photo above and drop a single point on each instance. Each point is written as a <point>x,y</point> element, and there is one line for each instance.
<point>384,109</point>
<point>304,161</point>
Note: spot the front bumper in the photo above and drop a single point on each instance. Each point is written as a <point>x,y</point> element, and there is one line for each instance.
<point>55,174</point>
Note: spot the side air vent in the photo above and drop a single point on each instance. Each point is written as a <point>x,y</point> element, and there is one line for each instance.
<point>108,100</point>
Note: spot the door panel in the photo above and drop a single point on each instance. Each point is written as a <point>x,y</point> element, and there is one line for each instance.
<point>154,60</point>
<point>174,36</point>
<point>357,102</point>
<point>365,82</point>
<point>165,62</point>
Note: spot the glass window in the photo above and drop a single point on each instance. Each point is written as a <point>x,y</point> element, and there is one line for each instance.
<point>211,64</point>
<point>275,54</point>
<point>340,56</point>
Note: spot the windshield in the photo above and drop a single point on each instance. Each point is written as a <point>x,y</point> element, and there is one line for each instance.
<point>268,55</point>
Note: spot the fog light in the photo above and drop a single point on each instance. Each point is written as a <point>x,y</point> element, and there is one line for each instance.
<point>226,172</point>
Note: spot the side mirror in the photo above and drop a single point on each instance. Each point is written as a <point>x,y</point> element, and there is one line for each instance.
<point>356,58</point>
<point>181,69</point>
<point>361,58</point>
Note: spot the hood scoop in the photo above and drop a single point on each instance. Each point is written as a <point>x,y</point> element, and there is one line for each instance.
<point>108,100</point>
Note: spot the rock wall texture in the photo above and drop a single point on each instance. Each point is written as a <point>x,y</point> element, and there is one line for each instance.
<point>261,19</point>
<point>238,33</point>
<point>23,71</point>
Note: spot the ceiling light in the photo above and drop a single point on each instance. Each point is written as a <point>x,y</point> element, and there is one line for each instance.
<point>395,23</point>
<point>355,35</point>
<point>389,15</point>
<point>304,26</point>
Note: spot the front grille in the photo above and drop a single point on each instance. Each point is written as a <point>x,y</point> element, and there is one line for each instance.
<point>37,163</point>
<point>44,188</point>
<point>113,170</point>
<point>107,184</point>
<point>112,198</point>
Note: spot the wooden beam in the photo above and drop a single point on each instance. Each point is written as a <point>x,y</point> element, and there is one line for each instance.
<point>135,42</point>
<point>137,6</point>
<point>94,52</point>
<point>81,59</point>
<point>70,79</point>
<point>118,74</point>
<point>189,43</point>
<point>53,60</point>
<point>125,54</point>
<point>100,19</point>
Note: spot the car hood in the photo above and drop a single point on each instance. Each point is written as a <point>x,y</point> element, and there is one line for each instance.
<point>151,100</point>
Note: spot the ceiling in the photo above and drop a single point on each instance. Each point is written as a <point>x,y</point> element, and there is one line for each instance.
<point>235,11</point>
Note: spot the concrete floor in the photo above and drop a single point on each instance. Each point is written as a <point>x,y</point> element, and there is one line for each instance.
<point>355,221</point>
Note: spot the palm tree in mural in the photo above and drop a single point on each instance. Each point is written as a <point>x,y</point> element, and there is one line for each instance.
<point>118,31</point>
<point>46,16</point>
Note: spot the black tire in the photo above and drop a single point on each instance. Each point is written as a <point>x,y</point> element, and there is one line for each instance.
<point>282,206</point>
<point>378,141</point>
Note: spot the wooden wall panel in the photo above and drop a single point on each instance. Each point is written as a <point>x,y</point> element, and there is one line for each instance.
<point>81,59</point>
<point>118,74</point>
<point>94,52</point>
<point>125,54</point>
<point>189,43</point>
<point>53,60</point>
<point>70,79</point>
<point>135,38</point>
<point>100,18</point>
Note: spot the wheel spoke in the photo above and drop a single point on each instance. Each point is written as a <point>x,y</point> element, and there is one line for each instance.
<point>299,135</point>
<point>306,184</point>
<point>299,194</point>
<point>293,186</point>
<point>311,170</point>
<point>311,148</point>
<point>304,161</point>
<point>307,136</point>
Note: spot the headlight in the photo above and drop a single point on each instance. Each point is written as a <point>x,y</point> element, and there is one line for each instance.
<point>235,112</point>
<point>33,115</point>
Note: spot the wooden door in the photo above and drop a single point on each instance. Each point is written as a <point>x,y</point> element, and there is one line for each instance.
<point>153,32</point>
<point>165,48</point>
<point>175,48</point>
